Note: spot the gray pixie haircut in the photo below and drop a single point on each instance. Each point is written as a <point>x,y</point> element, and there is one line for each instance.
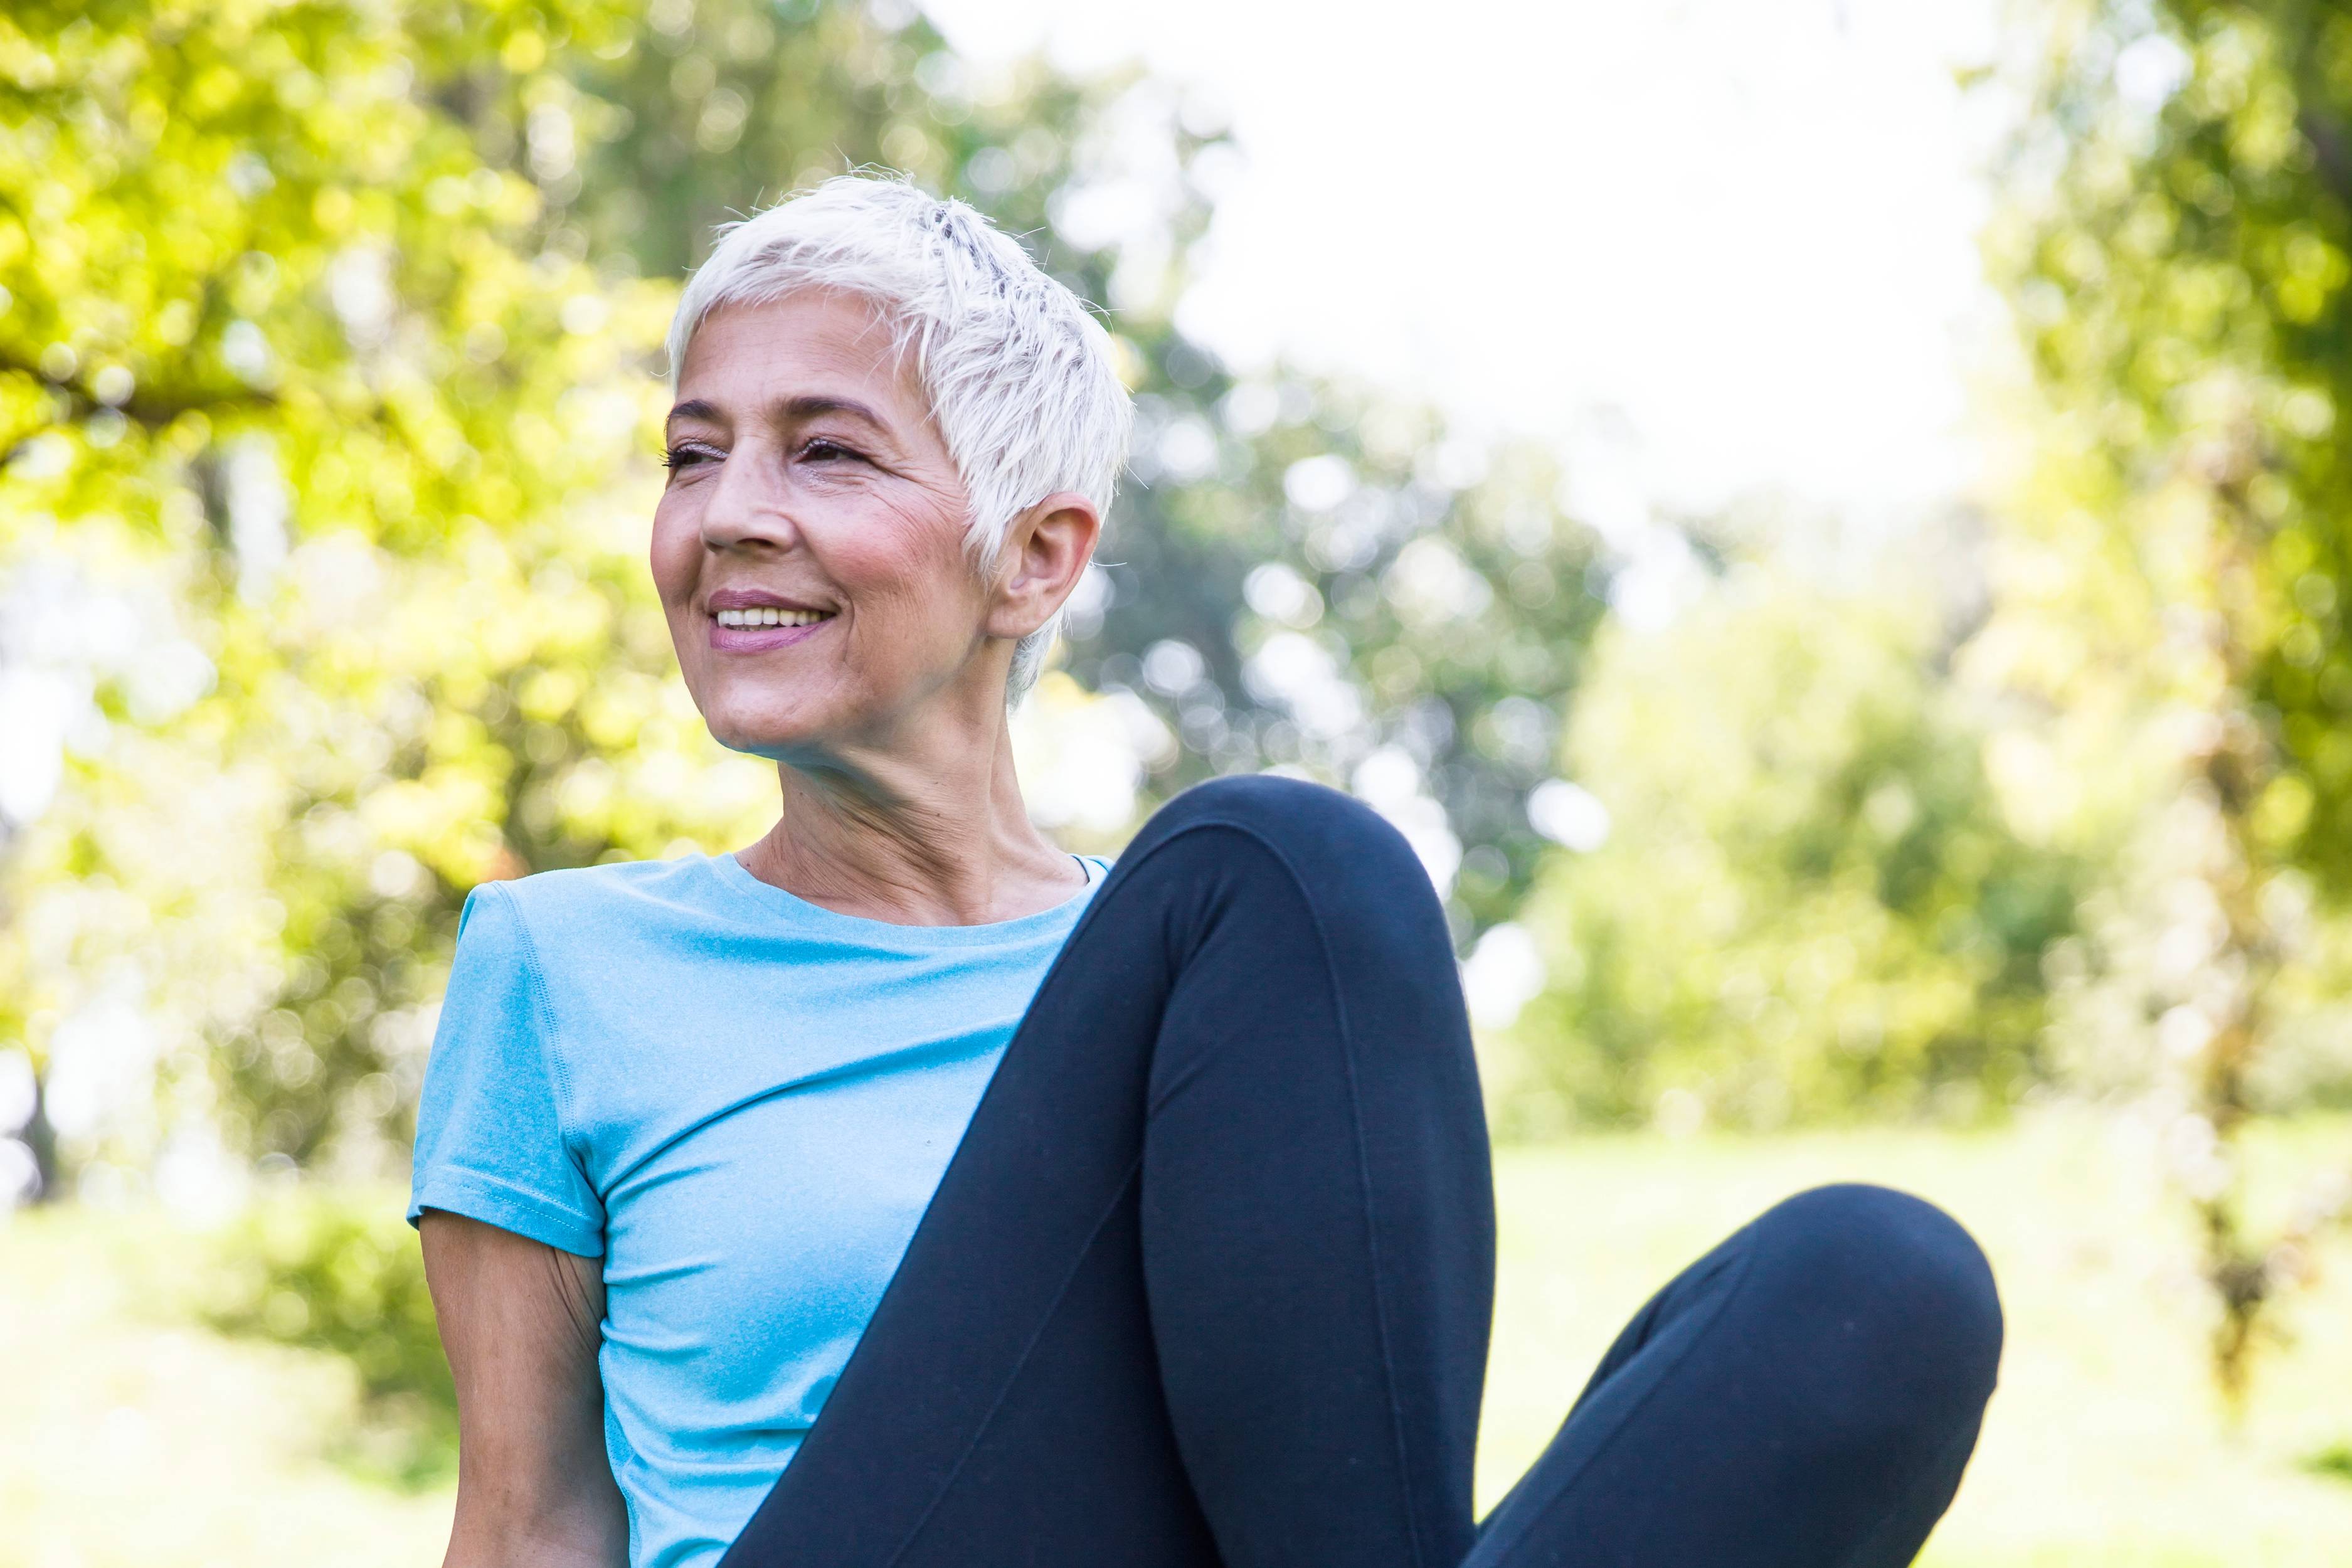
<point>1022,379</point>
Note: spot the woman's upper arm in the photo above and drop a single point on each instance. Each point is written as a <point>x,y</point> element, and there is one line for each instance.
<point>519,1323</point>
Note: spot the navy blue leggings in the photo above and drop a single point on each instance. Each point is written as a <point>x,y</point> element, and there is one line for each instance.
<point>1209,1280</point>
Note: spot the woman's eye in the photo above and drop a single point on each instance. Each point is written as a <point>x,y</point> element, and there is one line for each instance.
<point>825,451</point>
<point>686,457</point>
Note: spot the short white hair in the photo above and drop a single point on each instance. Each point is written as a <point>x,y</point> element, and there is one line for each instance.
<point>1022,379</point>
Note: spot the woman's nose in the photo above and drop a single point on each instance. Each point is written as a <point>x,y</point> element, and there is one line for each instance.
<point>748,505</point>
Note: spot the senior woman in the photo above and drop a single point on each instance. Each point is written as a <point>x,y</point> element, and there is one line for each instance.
<point>900,1190</point>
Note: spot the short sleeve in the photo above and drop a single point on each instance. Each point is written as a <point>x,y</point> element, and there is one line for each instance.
<point>490,1140</point>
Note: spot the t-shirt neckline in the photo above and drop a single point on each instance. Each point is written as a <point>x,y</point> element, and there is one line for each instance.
<point>778,900</point>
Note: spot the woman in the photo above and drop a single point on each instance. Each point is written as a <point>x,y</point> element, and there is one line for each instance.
<point>1153,1202</point>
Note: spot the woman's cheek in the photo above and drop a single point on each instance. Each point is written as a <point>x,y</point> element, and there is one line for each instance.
<point>674,549</point>
<point>907,564</point>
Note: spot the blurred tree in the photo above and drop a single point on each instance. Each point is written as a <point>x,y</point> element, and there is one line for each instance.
<point>328,385</point>
<point>341,1271</point>
<point>284,370</point>
<point>1801,895</point>
<point>1331,596</point>
<point>2176,244</point>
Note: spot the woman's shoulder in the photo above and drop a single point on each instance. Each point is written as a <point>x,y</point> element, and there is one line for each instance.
<point>621,894</point>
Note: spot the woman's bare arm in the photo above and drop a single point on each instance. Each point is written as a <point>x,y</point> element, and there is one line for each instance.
<point>519,1321</point>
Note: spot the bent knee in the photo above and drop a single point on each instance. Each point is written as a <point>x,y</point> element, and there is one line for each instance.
<point>1369,892</point>
<point>1899,1275</point>
<point>1312,822</point>
<point>1259,800</point>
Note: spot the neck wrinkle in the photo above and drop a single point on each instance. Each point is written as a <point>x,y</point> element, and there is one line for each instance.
<point>935,839</point>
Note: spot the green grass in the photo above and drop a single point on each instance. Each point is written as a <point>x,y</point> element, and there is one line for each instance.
<point>130,1436</point>
<point>2103,1448</point>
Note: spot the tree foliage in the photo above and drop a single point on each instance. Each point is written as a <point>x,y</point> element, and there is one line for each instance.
<point>2176,246</point>
<point>1811,901</point>
<point>342,1272</point>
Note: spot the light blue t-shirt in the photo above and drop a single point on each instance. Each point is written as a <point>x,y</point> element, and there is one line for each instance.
<point>742,1102</point>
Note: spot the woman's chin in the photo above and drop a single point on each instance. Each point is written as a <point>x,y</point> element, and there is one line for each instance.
<point>766,735</point>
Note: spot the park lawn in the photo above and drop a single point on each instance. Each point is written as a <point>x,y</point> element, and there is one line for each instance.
<point>2103,1447</point>
<point>128,1436</point>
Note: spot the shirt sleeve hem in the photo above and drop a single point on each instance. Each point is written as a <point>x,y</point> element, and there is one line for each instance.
<point>493,1201</point>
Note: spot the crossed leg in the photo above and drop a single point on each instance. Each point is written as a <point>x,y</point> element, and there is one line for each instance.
<point>1208,1281</point>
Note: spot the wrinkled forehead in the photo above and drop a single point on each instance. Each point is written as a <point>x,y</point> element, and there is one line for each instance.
<point>810,342</point>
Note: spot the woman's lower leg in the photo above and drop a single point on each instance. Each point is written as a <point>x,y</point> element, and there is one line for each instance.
<point>1803,1396</point>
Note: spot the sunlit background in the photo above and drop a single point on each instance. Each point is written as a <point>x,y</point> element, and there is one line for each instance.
<point>1824,521</point>
<point>1736,243</point>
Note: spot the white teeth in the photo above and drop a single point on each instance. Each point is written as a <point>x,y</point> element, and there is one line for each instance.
<point>769,615</point>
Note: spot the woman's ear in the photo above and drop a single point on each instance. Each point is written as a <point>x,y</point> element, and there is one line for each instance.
<point>1045,551</point>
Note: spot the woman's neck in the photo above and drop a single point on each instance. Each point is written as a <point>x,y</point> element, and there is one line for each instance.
<point>918,836</point>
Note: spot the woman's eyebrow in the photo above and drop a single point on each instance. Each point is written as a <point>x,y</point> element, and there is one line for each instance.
<point>790,410</point>
<point>811,405</point>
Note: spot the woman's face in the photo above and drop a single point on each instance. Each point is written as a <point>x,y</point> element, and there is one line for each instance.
<point>809,548</point>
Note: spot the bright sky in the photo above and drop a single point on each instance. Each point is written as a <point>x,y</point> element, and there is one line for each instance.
<point>1746,226</point>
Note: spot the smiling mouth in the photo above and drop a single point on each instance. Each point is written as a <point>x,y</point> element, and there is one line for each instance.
<point>758,615</point>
